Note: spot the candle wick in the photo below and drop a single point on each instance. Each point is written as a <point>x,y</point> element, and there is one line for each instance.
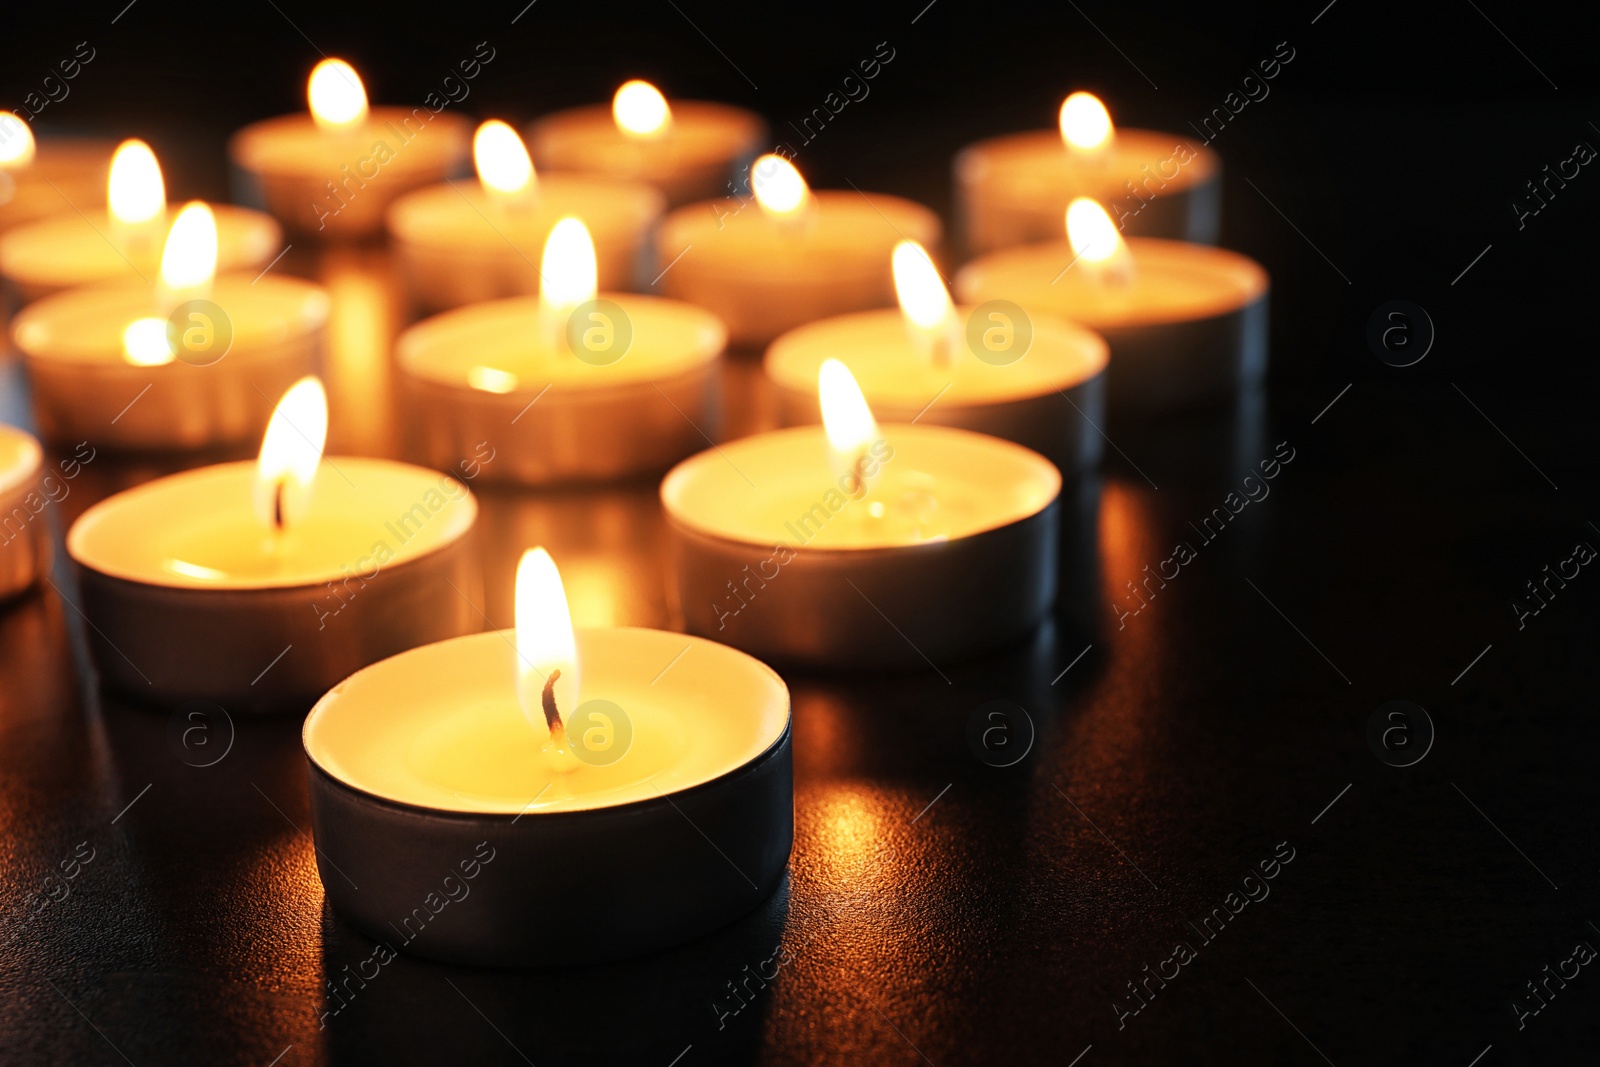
<point>277,506</point>
<point>552,717</point>
<point>859,477</point>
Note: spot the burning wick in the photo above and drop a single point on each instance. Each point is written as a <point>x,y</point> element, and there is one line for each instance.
<point>277,507</point>
<point>552,717</point>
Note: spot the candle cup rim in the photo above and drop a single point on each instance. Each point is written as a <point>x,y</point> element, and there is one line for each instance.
<point>33,449</point>
<point>243,149</point>
<point>1205,167</point>
<point>767,753</point>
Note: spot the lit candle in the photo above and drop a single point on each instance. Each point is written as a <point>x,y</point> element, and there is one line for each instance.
<point>191,362</point>
<point>257,585</point>
<point>1030,378</point>
<point>1186,323</point>
<point>687,149</point>
<point>592,785</point>
<point>124,242</point>
<point>788,256</point>
<point>462,243</point>
<point>39,178</point>
<point>851,545</point>
<point>565,386</point>
<point>24,531</point>
<point>333,171</point>
<point>1011,190</point>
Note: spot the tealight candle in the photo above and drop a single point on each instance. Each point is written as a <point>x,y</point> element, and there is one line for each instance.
<point>688,149</point>
<point>841,545</point>
<point>24,535</point>
<point>332,173</point>
<point>124,243</point>
<point>462,243</point>
<point>647,775</point>
<point>1186,323</point>
<point>1032,379</point>
<point>259,585</point>
<point>1012,190</point>
<point>564,387</point>
<point>795,257</point>
<point>192,363</point>
<point>39,178</point>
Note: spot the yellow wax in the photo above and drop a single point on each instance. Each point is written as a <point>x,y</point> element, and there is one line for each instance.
<point>695,155</point>
<point>895,372</point>
<point>499,347</point>
<point>1035,171</point>
<point>64,174</point>
<point>440,726</point>
<point>199,529</point>
<point>1173,281</point>
<point>934,483</point>
<point>71,249</point>
<point>395,141</point>
<point>20,457</point>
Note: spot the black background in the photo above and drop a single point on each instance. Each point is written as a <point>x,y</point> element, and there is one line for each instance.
<point>999,924</point>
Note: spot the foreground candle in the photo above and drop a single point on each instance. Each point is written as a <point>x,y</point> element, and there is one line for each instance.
<point>996,369</point>
<point>565,386</point>
<point>125,242</point>
<point>1186,323</point>
<point>334,171</point>
<point>24,534</point>
<point>589,766</point>
<point>463,242</point>
<point>841,545</point>
<point>688,149</point>
<point>259,585</point>
<point>792,257</point>
<point>39,178</point>
<point>193,362</point>
<point>1012,190</point>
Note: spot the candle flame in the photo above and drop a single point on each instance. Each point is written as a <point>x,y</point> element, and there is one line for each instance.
<point>145,344</point>
<point>291,449</point>
<point>567,269</point>
<point>16,142</point>
<point>189,260</point>
<point>502,159</point>
<point>846,418</point>
<point>924,300</point>
<point>337,98</point>
<point>545,642</point>
<point>135,191</point>
<point>1085,122</point>
<point>640,110</point>
<point>779,188</point>
<point>1093,235</point>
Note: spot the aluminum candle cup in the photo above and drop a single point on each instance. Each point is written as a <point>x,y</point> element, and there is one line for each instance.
<point>1189,327</point>
<point>763,275</point>
<point>430,791</point>
<point>458,244</point>
<point>1032,379</point>
<point>626,389</point>
<point>236,351</point>
<point>338,183</point>
<point>65,173</point>
<point>693,158</point>
<point>1012,190</point>
<point>64,251</point>
<point>24,533</point>
<point>770,555</point>
<point>190,598</point>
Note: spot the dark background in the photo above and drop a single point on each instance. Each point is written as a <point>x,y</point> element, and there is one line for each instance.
<point>999,924</point>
